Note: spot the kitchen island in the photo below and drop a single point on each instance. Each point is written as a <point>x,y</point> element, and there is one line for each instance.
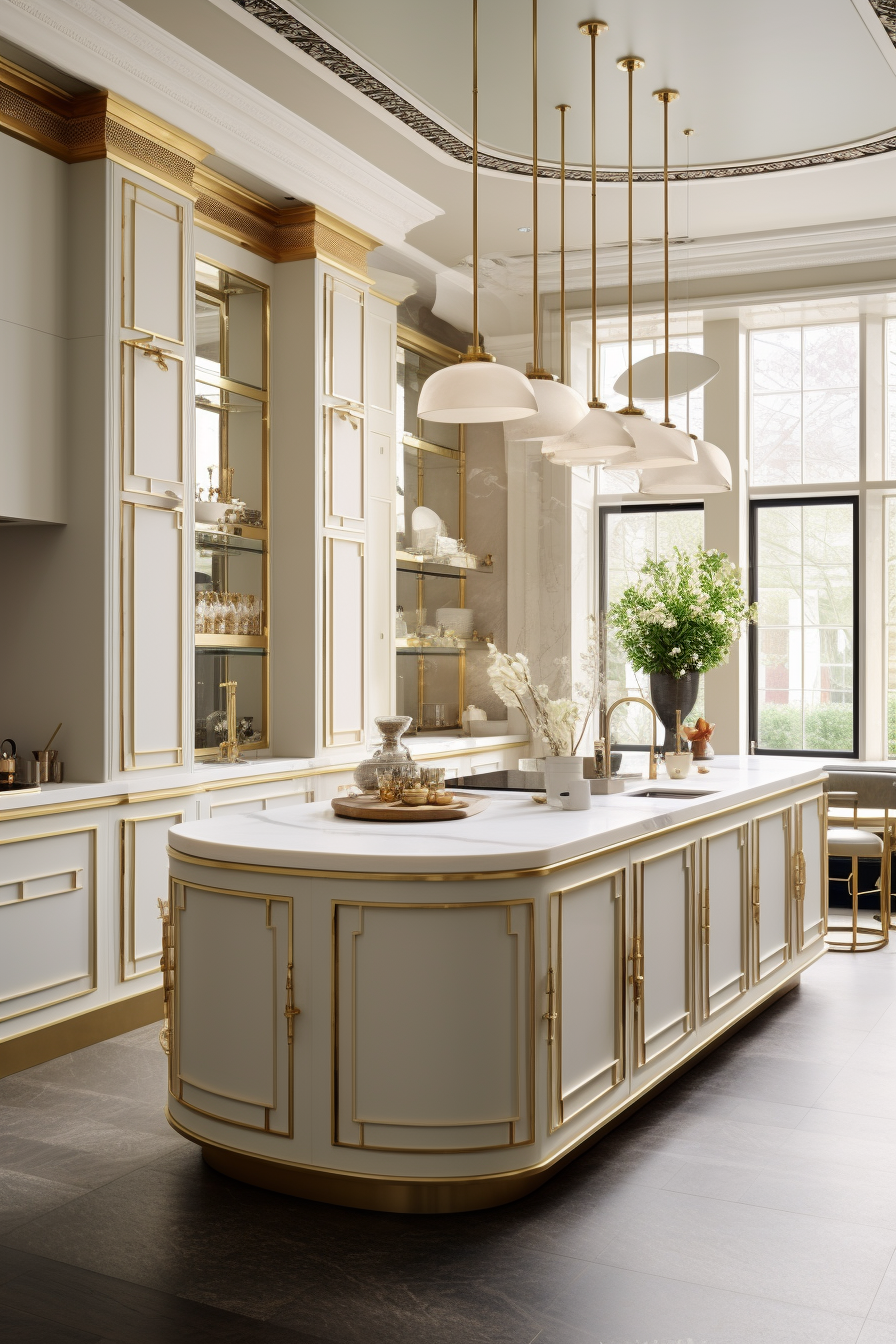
<point>429,1017</point>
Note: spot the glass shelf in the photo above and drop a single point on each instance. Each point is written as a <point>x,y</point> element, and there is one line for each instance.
<point>412,564</point>
<point>402,646</point>
<point>236,539</point>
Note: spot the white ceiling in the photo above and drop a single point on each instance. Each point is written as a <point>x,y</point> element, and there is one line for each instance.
<point>759,80</point>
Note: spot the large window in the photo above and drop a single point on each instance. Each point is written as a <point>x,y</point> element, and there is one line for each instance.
<point>630,534</point>
<point>890,326</point>
<point>804,423</point>
<point>803,575</point>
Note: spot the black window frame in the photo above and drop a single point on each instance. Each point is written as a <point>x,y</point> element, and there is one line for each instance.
<point>790,502</point>
<point>603,512</point>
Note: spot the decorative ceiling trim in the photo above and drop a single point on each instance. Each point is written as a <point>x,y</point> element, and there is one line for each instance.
<point>286,25</point>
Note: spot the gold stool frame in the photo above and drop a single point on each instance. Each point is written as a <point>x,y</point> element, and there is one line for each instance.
<point>869,822</point>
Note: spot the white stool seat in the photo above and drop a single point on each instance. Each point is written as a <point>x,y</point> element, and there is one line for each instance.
<point>844,841</point>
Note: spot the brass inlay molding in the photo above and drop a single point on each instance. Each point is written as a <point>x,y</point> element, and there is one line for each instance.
<point>499,874</point>
<point>449,1194</point>
<point>103,125</point>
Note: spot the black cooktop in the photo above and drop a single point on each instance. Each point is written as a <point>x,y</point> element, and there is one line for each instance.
<point>523,781</point>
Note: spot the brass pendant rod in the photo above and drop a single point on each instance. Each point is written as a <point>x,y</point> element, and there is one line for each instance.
<point>562,108</point>
<point>666,96</point>
<point>476,345</point>
<point>536,362</point>
<point>593,29</point>
<point>631,64</point>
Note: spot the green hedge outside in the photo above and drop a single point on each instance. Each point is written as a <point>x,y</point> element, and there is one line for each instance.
<point>828,728</point>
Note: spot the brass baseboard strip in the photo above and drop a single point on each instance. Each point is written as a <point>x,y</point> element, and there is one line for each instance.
<point>97,1024</point>
<point>425,1195</point>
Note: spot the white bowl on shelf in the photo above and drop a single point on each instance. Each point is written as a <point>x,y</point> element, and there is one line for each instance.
<point>209,512</point>
<point>458,619</point>
<point>489,727</point>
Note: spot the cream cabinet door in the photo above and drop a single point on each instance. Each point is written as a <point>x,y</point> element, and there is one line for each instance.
<point>771,892</point>
<point>344,662</point>
<point>586,995</point>
<point>151,637</point>
<point>143,856</point>
<point>662,956</point>
<point>344,325</point>
<point>434,1037</point>
<point>810,871</point>
<point>234,1006</point>
<point>724,918</point>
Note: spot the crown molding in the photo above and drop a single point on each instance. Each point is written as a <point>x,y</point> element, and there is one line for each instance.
<point>747,254</point>
<point>290,25</point>
<point>107,44</point>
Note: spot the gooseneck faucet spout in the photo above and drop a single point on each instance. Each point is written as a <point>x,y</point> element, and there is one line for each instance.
<point>631,700</point>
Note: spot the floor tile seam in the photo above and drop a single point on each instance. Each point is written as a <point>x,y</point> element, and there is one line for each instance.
<point>880,1285</point>
<point>44,1180</point>
<point>734,1292</point>
<point>840,1222</point>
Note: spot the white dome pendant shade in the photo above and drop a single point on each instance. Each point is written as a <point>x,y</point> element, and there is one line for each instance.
<point>598,438</point>
<point>560,408</point>
<point>476,391</point>
<point>687,372</point>
<point>656,445</point>
<point>710,476</point>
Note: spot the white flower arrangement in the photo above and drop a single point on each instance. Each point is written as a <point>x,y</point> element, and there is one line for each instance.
<point>553,721</point>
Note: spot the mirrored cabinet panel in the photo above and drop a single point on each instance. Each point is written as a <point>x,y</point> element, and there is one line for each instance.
<point>231,561</point>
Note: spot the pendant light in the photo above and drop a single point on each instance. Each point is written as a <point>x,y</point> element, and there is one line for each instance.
<point>600,436</point>
<point>476,390</point>
<point>655,445</point>
<point>711,473</point>
<point>559,407</point>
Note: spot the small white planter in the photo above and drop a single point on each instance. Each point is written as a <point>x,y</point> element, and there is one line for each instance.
<point>678,764</point>
<point>558,771</point>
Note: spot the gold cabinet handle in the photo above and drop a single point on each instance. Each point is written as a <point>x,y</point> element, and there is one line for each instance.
<point>551,1015</point>
<point>290,1012</point>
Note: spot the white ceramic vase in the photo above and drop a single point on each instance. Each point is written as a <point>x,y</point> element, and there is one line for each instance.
<point>558,771</point>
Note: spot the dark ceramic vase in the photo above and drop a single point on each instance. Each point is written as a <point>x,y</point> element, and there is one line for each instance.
<point>669,693</point>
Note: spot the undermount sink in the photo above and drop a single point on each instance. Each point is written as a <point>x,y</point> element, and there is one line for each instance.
<point>673,793</point>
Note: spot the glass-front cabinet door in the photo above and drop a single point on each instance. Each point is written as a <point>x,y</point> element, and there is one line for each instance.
<point>433,628</point>
<point>231,564</point>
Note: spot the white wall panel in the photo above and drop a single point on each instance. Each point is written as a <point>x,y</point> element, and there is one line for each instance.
<point>232,1046</point>
<point>664,911</point>
<point>151,613</point>
<point>419,1064</point>
<point>153,263</point>
<point>771,893</point>
<point>344,642</point>
<point>48,920</point>
<point>344,340</point>
<point>587,992</point>
<point>152,415</point>
<point>724,914</point>
<point>144,882</point>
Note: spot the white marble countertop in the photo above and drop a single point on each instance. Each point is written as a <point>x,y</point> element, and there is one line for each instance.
<point>512,833</point>
<point>132,787</point>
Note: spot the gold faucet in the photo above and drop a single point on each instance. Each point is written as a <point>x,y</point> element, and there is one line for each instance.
<point>229,750</point>
<point>630,700</point>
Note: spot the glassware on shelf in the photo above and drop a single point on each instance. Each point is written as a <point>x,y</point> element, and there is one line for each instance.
<point>388,784</point>
<point>227,614</point>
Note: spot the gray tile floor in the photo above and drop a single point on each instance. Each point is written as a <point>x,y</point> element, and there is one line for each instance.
<point>753,1203</point>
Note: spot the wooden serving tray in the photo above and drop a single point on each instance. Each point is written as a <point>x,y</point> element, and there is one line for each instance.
<point>368,808</point>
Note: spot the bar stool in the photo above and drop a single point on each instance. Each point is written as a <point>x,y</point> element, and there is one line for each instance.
<point>870,798</point>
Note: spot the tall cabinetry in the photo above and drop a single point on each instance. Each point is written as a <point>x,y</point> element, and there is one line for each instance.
<point>434,631</point>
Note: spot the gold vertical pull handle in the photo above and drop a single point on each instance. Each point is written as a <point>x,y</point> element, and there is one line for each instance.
<point>636,979</point>
<point>290,1012</point>
<point>551,1015</point>
<point>166,964</point>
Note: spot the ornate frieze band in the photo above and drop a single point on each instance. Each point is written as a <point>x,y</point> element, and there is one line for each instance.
<point>294,31</point>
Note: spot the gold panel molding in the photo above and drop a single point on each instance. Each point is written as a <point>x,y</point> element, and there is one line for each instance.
<point>102,125</point>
